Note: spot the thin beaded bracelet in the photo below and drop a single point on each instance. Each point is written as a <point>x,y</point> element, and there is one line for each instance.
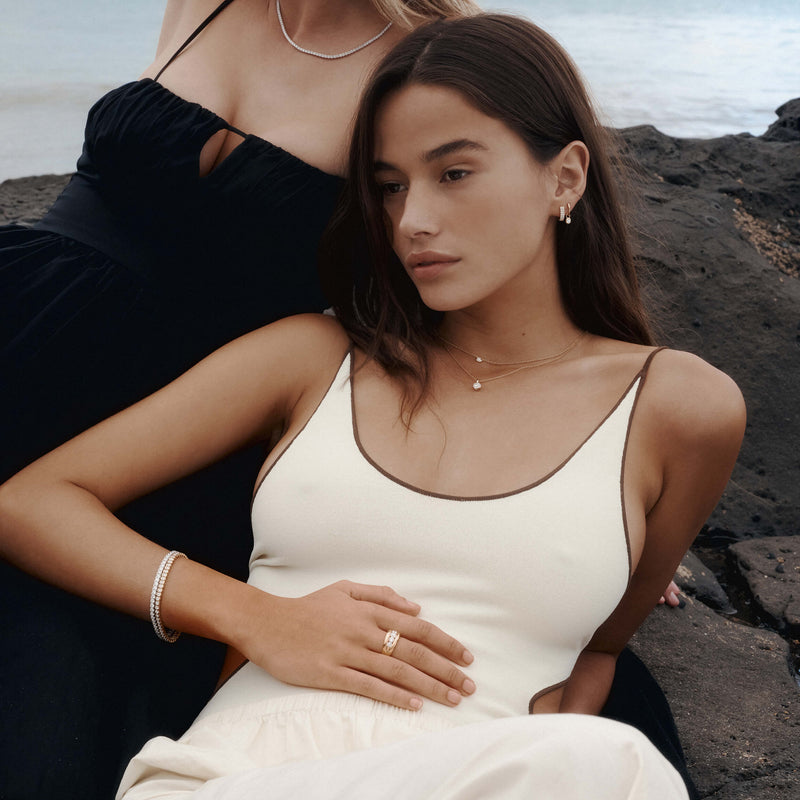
<point>165,634</point>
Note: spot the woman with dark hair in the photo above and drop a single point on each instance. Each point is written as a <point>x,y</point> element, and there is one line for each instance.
<point>486,428</point>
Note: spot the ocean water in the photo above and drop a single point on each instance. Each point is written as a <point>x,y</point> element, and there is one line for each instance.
<point>691,69</point>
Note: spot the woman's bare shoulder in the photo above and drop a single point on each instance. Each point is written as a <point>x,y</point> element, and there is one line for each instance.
<point>180,18</point>
<point>318,333</point>
<point>310,329</point>
<point>275,365</point>
<point>694,401</point>
<point>304,343</point>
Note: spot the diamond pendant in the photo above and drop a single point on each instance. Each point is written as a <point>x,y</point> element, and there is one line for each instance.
<point>476,385</point>
<point>479,359</point>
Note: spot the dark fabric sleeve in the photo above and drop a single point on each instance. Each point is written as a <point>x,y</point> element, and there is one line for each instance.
<point>636,699</point>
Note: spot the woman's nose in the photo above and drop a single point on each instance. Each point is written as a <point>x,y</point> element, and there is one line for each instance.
<point>419,214</point>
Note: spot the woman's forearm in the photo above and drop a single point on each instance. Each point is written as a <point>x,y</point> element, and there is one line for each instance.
<point>63,534</point>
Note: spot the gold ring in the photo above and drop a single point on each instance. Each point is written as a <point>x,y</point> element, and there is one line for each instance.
<point>390,642</point>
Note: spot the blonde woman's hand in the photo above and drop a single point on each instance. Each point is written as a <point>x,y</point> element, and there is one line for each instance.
<point>671,595</point>
<point>333,639</point>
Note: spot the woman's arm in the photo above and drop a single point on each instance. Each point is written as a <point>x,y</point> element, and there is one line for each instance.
<point>56,523</point>
<point>691,420</point>
<point>54,515</point>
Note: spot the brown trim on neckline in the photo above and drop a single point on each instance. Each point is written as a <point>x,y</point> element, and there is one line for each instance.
<point>349,354</point>
<point>641,378</point>
<point>374,464</point>
<point>542,692</point>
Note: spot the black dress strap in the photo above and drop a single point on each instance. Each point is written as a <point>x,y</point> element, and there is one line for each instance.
<point>221,7</point>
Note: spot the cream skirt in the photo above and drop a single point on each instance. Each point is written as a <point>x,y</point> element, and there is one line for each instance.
<point>334,746</point>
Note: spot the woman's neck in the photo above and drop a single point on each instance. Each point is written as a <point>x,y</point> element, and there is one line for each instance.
<point>511,331</point>
<point>326,24</point>
<point>523,319</point>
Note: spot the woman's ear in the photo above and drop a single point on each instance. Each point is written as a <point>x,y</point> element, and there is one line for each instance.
<point>571,167</point>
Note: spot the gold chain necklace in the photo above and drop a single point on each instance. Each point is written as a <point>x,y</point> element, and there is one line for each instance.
<point>477,383</point>
<point>532,361</point>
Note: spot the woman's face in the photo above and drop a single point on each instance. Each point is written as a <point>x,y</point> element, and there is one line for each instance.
<point>472,212</point>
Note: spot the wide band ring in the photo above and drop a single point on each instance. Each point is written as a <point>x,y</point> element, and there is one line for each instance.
<point>390,642</point>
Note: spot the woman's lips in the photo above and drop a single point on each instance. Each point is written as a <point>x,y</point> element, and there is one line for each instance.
<point>427,265</point>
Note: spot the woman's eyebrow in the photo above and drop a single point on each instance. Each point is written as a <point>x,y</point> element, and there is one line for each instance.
<point>452,147</point>
<point>446,149</point>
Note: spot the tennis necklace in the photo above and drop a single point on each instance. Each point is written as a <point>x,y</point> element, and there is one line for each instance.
<point>477,383</point>
<point>324,55</point>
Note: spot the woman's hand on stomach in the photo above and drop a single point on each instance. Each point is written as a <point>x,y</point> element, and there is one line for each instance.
<point>333,639</point>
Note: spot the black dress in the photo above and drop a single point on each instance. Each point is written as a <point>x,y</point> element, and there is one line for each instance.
<point>141,268</point>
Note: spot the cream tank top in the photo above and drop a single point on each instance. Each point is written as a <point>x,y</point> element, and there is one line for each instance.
<point>522,579</point>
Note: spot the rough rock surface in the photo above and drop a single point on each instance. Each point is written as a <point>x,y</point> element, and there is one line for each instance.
<point>787,127</point>
<point>719,239</point>
<point>719,236</point>
<point>25,200</point>
<point>696,580</point>
<point>735,703</point>
<point>771,568</point>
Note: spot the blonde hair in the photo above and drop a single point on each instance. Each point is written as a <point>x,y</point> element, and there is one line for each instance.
<point>410,13</point>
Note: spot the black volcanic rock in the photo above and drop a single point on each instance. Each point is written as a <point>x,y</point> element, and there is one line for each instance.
<point>696,580</point>
<point>718,239</point>
<point>787,127</point>
<point>771,568</point>
<point>736,706</point>
<point>25,200</point>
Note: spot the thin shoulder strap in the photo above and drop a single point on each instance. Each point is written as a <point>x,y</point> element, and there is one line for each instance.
<point>646,366</point>
<point>640,379</point>
<point>221,7</point>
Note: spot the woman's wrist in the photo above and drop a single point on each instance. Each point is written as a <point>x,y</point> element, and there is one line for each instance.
<point>159,582</point>
<point>203,602</point>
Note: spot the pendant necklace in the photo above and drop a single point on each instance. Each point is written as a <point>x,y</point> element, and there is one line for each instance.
<point>477,383</point>
<point>324,55</point>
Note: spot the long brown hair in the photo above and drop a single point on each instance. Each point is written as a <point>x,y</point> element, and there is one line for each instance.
<point>513,71</point>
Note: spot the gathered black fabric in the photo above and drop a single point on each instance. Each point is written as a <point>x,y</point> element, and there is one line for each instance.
<point>142,266</point>
<point>636,699</point>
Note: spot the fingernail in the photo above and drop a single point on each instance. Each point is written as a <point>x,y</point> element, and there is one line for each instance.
<point>468,686</point>
<point>413,604</point>
<point>673,597</point>
<point>453,696</point>
<point>415,703</point>
<point>467,657</point>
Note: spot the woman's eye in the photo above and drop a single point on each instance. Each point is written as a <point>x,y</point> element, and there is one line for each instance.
<point>390,187</point>
<point>453,175</point>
